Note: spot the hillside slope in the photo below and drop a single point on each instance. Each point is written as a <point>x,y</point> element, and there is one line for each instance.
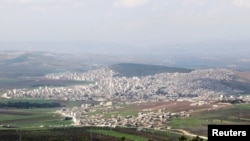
<point>132,69</point>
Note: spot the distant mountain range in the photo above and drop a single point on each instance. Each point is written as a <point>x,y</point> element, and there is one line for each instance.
<point>71,47</point>
<point>22,64</point>
<point>204,49</point>
<point>39,58</point>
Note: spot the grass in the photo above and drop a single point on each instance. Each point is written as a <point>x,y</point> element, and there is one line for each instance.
<point>163,133</point>
<point>14,116</point>
<point>32,118</point>
<point>243,106</point>
<point>27,100</point>
<point>126,110</point>
<point>40,124</point>
<point>72,104</point>
<point>197,123</point>
<point>119,135</point>
<point>69,104</point>
<point>131,110</point>
<point>188,123</point>
<point>50,122</point>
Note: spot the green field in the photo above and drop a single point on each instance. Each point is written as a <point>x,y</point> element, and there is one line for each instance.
<point>165,133</point>
<point>119,135</point>
<point>197,123</point>
<point>27,100</point>
<point>32,117</point>
<point>126,110</point>
<point>243,106</point>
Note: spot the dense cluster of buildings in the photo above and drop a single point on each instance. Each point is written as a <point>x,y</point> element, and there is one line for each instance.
<point>106,85</point>
<point>96,115</point>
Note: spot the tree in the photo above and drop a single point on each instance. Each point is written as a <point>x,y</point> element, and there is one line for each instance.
<point>183,138</point>
<point>84,139</point>
<point>123,138</point>
<point>197,138</point>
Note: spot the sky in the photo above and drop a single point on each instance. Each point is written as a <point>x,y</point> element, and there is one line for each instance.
<point>131,22</point>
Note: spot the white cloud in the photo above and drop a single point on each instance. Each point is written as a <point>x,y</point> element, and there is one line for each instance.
<point>129,3</point>
<point>242,3</point>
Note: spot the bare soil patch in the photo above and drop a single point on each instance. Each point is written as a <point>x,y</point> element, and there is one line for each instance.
<point>178,106</point>
<point>243,76</point>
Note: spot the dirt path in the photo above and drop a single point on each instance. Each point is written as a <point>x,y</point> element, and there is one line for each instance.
<point>188,133</point>
<point>75,121</point>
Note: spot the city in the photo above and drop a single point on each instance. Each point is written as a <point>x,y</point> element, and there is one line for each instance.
<point>111,93</point>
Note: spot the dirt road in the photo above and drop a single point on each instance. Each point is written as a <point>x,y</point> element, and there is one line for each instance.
<point>188,133</point>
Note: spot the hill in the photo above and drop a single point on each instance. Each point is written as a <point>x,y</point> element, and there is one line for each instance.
<point>132,69</point>
<point>21,64</point>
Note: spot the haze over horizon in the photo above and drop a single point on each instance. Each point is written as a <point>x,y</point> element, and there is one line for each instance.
<point>140,24</point>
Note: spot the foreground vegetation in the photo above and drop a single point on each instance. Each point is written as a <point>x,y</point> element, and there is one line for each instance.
<point>90,134</point>
<point>120,135</point>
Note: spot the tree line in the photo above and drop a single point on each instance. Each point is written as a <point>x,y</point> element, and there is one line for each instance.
<point>27,105</point>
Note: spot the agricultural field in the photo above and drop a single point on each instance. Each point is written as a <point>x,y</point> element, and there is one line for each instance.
<point>27,118</point>
<point>41,116</point>
<point>35,118</point>
<point>197,123</point>
<point>167,106</point>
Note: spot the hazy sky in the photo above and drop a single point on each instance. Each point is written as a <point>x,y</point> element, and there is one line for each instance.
<point>133,22</point>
